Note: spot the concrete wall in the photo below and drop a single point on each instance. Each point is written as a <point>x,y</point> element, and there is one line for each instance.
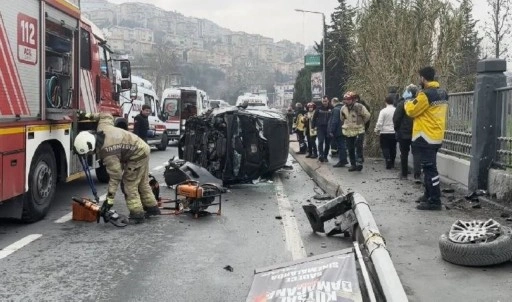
<point>451,167</point>
<point>456,169</point>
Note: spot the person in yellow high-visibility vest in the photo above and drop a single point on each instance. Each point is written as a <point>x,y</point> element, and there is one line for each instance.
<point>298,126</point>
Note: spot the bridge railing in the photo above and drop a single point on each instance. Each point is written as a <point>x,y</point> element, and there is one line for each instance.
<point>504,143</point>
<point>457,138</point>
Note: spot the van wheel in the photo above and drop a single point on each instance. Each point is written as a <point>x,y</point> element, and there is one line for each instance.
<point>163,143</point>
<point>101,174</point>
<point>42,183</point>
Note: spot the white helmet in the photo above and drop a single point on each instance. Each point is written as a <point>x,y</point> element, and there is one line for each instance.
<point>85,142</point>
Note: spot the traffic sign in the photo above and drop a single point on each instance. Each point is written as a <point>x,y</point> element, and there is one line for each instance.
<point>312,60</point>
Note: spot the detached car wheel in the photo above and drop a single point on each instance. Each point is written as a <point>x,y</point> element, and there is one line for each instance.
<point>477,243</point>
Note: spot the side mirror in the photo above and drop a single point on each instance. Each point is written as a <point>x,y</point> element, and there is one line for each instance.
<point>126,75</point>
<point>126,70</point>
<point>133,91</point>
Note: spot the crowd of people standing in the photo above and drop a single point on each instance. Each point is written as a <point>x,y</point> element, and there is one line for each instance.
<point>416,122</point>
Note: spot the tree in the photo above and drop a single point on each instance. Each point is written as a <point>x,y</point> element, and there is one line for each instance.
<point>339,46</point>
<point>393,40</point>
<point>302,86</point>
<point>499,26</point>
<point>469,47</point>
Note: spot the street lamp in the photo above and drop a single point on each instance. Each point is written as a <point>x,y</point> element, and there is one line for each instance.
<point>323,43</point>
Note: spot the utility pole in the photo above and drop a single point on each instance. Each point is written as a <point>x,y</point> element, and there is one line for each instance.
<point>323,43</point>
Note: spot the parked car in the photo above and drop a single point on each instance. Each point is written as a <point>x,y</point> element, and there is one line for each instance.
<point>235,144</point>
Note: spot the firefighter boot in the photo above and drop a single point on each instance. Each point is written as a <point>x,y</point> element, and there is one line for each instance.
<point>152,211</point>
<point>137,217</point>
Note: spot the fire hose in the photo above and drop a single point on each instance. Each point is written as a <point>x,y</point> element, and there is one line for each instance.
<point>53,92</point>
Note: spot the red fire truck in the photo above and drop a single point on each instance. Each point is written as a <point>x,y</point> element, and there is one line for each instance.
<point>53,64</point>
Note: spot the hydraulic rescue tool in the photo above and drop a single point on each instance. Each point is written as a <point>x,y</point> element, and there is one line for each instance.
<point>92,207</point>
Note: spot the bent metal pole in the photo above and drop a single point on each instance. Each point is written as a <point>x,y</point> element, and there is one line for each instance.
<point>374,242</point>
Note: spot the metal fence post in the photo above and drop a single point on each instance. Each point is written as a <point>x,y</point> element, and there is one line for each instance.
<point>486,121</point>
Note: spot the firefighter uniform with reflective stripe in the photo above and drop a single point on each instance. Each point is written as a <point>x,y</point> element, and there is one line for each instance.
<point>126,158</point>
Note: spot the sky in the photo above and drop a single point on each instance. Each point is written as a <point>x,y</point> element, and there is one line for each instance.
<point>276,19</point>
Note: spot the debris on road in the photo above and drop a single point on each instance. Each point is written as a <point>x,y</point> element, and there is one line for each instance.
<point>448,190</point>
<point>229,268</point>
<point>476,243</point>
<point>338,207</point>
<point>475,194</point>
<point>324,196</point>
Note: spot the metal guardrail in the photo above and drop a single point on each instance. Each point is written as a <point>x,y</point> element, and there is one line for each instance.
<point>504,143</point>
<point>457,137</point>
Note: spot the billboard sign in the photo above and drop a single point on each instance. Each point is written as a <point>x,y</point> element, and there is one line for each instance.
<point>317,87</point>
<point>330,277</point>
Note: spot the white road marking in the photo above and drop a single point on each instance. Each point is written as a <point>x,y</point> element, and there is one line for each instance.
<point>69,215</point>
<point>291,229</point>
<point>65,218</point>
<point>18,245</point>
<point>158,167</point>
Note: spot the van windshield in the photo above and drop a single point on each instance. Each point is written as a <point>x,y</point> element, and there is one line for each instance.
<point>171,107</point>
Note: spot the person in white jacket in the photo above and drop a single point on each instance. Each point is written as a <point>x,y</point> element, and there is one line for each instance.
<point>386,131</point>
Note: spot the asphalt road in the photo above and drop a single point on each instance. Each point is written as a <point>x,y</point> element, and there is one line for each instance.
<point>169,258</point>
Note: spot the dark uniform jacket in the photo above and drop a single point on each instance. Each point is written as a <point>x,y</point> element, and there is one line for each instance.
<point>141,127</point>
<point>402,122</point>
<point>335,121</point>
<point>322,116</point>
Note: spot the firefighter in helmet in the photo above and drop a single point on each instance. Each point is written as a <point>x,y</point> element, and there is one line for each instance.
<point>126,158</point>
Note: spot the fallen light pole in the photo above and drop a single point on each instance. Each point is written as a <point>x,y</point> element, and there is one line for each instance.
<point>345,207</point>
<point>374,243</point>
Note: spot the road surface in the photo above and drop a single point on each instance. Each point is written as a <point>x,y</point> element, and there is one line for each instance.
<point>169,258</point>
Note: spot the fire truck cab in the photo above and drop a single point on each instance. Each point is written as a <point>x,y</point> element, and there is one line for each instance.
<point>54,64</point>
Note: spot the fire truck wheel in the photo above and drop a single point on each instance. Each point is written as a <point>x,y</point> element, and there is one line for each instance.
<point>101,174</point>
<point>42,182</point>
<point>163,143</point>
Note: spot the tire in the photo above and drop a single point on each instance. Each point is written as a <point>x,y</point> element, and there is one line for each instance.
<point>101,174</point>
<point>478,254</point>
<point>181,147</point>
<point>163,143</point>
<point>42,184</point>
